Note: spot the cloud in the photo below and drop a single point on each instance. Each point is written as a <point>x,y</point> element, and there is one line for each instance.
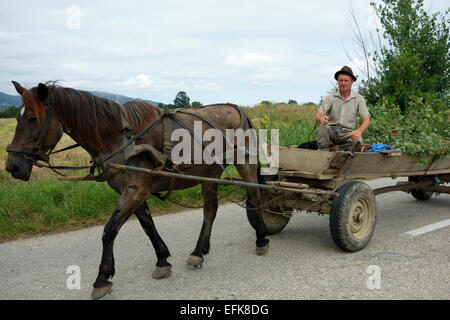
<point>259,67</point>
<point>159,84</point>
<point>141,81</point>
<point>206,86</point>
<point>145,81</point>
<point>244,59</point>
<point>216,50</point>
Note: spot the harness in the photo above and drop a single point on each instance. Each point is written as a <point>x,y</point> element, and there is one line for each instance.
<point>34,151</point>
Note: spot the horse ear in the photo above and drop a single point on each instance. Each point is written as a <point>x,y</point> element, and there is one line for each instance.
<point>18,87</point>
<point>42,92</point>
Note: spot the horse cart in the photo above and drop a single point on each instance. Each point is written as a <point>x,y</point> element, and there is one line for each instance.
<point>330,183</point>
<point>137,136</point>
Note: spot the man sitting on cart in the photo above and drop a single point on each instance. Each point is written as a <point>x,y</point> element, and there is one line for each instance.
<point>337,115</point>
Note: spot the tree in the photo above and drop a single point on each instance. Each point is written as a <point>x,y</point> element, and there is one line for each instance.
<point>415,61</point>
<point>181,100</point>
<point>196,104</point>
<point>9,112</point>
<point>292,101</point>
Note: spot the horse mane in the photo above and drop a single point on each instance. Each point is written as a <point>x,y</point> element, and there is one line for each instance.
<point>139,114</point>
<point>96,122</point>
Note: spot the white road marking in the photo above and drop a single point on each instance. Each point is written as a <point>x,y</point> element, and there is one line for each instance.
<point>428,228</point>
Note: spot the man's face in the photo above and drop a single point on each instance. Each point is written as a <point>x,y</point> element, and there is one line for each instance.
<point>344,82</point>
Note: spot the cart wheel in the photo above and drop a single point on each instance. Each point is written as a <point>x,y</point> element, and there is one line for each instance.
<point>353,216</point>
<point>419,194</point>
<point>274,222</point>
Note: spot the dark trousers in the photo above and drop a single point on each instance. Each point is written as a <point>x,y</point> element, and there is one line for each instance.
<point>328,136</point>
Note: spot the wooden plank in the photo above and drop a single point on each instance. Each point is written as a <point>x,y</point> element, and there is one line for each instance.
<point>324,165</point>
<point>380,163</point>
<point>375,175</point>
<point>402,165</point>
<point>338,161</point>
<point>310,161</point>
<point>391,153</point>
<point>307,175</point>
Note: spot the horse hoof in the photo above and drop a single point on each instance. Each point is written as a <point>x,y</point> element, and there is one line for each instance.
<point>195,262</point>
<point>98,293</point>
<point>161,272</point>
<point>260,251</point>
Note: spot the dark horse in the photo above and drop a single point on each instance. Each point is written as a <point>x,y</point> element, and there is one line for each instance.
<point>96,124</point>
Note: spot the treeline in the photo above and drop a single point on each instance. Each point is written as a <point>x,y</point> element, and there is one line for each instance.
<point>183,101</point>
<point>290,102</point>
<point>9,112</point>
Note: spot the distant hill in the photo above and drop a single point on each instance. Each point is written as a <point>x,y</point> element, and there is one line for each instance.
<point>11,100</point>
<point>7,100</point>
<point>119,98</point>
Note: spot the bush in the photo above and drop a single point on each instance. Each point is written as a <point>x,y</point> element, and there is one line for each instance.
<point>196,104</point>
<point>9,112</point>
<point>420,130</point>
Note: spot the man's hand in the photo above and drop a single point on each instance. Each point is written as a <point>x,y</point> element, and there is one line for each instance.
<point>324,120</point>
<point>355,135</point>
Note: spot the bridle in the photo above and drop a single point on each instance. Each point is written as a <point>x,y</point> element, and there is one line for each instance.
<point>34,151</point>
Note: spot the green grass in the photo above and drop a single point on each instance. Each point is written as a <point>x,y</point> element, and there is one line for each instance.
<point>44,206</point>
<point>294,122</point>
<point>51,206</point>
<point>297,132</point>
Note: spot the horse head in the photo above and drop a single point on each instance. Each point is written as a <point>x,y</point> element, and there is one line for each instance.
<point>38,130</point>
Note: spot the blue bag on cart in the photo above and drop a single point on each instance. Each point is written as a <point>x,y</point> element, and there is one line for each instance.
<point>380,147</point>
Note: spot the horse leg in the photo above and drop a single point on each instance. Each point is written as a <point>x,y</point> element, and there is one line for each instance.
<point>249,173</point>
<point>163,267</point>
<point>210,204</point>
<point>130,200</point>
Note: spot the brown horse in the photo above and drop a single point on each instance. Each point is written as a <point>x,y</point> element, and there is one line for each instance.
<point>97,125</point>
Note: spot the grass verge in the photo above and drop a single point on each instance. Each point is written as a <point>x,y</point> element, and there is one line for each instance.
<point>41,207</point>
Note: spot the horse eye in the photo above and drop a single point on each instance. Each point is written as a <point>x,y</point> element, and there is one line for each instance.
<point>32,119</point>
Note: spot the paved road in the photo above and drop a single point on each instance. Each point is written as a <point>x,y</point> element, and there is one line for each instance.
<point>302,263</point>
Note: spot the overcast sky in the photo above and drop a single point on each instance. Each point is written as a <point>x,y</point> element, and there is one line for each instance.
<point>240,51</point>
